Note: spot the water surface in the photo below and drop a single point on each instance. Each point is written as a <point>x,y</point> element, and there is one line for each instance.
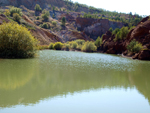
<point>74,82</point>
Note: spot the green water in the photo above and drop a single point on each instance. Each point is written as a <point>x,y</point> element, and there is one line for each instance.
<point>74,82</point>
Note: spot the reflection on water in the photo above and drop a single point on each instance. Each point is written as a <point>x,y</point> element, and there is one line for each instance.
<point>59,73</point>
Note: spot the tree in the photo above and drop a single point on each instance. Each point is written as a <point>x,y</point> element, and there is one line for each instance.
<point>63,21</point>
<point>16,17</point>
<point>98,42</point>
<point>15,10</point>
<point>16,41</point>
<point>111,29</point>
<point>45,14</point>
<point>38,8</point>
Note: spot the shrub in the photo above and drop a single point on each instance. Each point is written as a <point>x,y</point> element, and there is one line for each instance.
<point>98,42</point>
<point>51,46</point>
<point>74,45</point>
<point>15,10</point>
<point>38,18</point>
<point>41,47</point>
<point>67,47</point>
<point>45,14</point>
<point>16,17</point>
<point>54,23</point>
<point>80,41</point>
<point>58,45</point>
<point>63,21</point>
<point>89,47</point>
<point>7,12</point>
<point>16,41</point>
<point>121,34</point>
<point>111,29</point>
<point>134,46</point>
<point>116,31</point>
<point>37,7</point>
<point>44,25</point>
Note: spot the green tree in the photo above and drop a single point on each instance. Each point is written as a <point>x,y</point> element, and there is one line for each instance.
<point>16,41</point>
<point>16,17</point>
<point>58,45</point>
<point>89,47</point>
<point>111,29</point>
<point>45,15</point>
<point>37,7</point>
<point>98,42</point>
<point>63,21</point>
<point>15,10</point>
<point>134,46</point>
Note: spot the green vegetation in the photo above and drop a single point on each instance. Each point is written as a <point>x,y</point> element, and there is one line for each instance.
<point>16,17</point>
<point>37,7</point>
<point>111,29</point>
<point>74,45</point>
<point>42,47</point>
<point>44,25</point>
<point>7,12</point>
<point>51,46</point>
<point>121,34</point>
<point>89,47</point>
<point>80,41</point>
<point>58,45</point>
<point>15,10</point>
<point>54,23</point>
<point>98,13</point>
<point>67,47</point>
<point>98,42</point>
<point>134,46</point>
<point>38,18</point>
<point>63,21</point>
<point>16,41</point>
<point>45,15</point>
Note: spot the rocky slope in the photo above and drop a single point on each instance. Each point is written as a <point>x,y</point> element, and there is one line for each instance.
<point>96,27</point>
<point>140,33</point>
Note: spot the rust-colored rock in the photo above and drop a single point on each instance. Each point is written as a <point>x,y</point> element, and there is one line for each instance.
<point>144,55</point>
<point>141,33</point>
<point>110,46</point>
<point>96,27</point>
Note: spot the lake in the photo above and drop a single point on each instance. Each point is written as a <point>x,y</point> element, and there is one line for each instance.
<point>74,82</point>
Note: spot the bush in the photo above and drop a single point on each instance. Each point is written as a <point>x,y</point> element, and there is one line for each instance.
<point>67,47</point>
<point>15,10</point>
<point>80,41</point>
<point>51,46</point>
<point>7,12</point>
<point>111,29</point>
<point>115,31</point>
<point>98,42</point>
<point>42,47</point>
<point>16,17</point>
<point>38,18</point>
<point>121,34</point>
<point>45,14</point>
<point>89,47</point>
<point>16,41</point>
<point>74,45</point>
<point>58,45</point>
<point>63,21</point>
<point>44,25</point>
<point>134,46</point>
<point>37,7</point>
<point>54,23</point>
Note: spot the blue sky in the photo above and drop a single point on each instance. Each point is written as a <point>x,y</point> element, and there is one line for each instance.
<point>141,7</point>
